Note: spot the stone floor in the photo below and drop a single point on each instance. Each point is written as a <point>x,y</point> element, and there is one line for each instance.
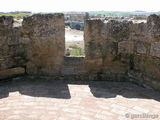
<point>47,99</point>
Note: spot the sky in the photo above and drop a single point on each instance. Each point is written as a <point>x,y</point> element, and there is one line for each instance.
<point>79,5</point>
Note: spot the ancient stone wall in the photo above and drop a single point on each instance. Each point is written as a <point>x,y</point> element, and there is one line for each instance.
<point>146,53</point>
<point>129,52</point>
<point>11,52</point>
<point>115,51</point>
<point>43,39</point>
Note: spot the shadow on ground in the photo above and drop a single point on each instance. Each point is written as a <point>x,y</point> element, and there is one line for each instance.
<point>35,87</point>
<point>47,87</point>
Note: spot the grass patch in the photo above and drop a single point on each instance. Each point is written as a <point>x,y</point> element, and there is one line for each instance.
<point>76,51</point>
<point>73,46</point>
<point>17,16</point>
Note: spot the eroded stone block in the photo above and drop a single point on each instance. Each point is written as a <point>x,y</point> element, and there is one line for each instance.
<point>13,37</point>
<point>6,20</point>
<point>69,71</point>
<point>11,72</point>
<point>73,60</point>
<point>24,40</point>
<point>126,47</point>
<point>141,48</point>
<point>155,49</point>
<point>16,49</point>
<point>94,62</point>
<point>46,30</point>
<point>109,48</point>
<point>7,64</point>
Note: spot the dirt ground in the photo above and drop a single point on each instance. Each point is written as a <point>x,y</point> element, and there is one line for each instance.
<point>79,43</point>
<point>73,36</point>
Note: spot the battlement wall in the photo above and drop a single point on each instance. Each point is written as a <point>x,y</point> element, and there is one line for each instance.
<point>115,51</point>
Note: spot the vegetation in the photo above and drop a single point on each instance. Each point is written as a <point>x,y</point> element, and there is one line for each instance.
<point>137,12</point>
<point>126,13</point>
<point>77,51</point>
<point>17,16</point>
<point>73,46</point>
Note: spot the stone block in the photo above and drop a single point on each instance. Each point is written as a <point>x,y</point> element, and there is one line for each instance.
<point>16,49</point>
<point>141,48</point>
<point>151,83</point>
<point>126,47</point>
<point>152,67</point>
<point>11,72</point>
<point>24,40</point>
<point>118,70</point>
<point>50,71</point>
<point>45,30</point>
<point>135,75</point>
<point>110,62</point>
<point>93,49</point>
<point>4,31</point>
<point>31,68</point>
<point>6,21</point>
<point>69,71</point>
<point>109,48</point>
<point>7,64</point>
<point>153,24</point>
<point>2,40</point>
<point>106,71</point>
<point>94,69</point>
<point>54,60</point>
<point>119,31</point>
<point>92,36</point>
<point>13,37</point>
<point>94,62</point>
<point>5,50</point>
<point>44,51</point>
<point>73,60</point>
<point>36,20</point>
<point>1,60</point>
<point>82,71</point>
<point>139,63</point>
<point>155,49</point>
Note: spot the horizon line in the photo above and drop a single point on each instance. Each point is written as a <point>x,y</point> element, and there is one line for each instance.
<point>78,11</point>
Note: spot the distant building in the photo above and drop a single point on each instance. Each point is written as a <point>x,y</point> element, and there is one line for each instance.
<point>74,16</point>
<point>15,12</point>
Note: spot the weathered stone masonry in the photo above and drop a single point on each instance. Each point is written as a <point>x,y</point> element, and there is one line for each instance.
<point>115,51</point>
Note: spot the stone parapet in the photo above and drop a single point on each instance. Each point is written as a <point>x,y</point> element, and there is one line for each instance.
<point>115,51</point>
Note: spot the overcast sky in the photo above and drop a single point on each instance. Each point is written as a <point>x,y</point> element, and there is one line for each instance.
<point>79,5</point>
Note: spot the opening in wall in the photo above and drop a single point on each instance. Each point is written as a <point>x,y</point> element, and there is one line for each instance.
<point>74,40</point>
<point>17,22</point>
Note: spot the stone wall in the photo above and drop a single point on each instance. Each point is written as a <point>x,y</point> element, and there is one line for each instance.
<point>128,51</point>
<point>115,51</point>
<point>43,39</point>
<point>146,55</point>
<point>11,52</point>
